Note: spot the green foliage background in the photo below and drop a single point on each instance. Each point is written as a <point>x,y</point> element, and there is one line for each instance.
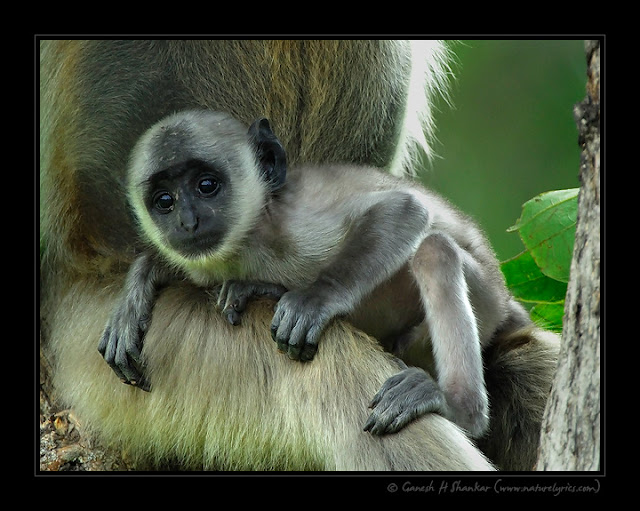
<point>510,134</point>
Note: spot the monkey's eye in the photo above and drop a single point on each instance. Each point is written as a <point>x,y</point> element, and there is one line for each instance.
<point>164,202</point>
<point>208,186</point>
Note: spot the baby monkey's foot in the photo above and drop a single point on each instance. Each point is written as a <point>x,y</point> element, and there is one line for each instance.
<point>402,399</point>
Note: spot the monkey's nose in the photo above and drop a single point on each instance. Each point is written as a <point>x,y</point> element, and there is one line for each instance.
<point>189,221</point>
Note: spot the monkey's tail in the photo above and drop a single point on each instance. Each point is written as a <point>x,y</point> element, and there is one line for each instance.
<point>519,369</point>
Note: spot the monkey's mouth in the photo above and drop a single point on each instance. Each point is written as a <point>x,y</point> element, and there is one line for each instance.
<point>194,247</point>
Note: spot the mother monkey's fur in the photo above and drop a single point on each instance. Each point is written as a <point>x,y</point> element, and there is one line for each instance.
<point>222,396</point>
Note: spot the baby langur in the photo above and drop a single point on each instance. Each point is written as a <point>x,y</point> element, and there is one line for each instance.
<point>329,241</point>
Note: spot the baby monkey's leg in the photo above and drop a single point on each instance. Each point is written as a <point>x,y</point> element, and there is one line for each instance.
<point>438,267</point>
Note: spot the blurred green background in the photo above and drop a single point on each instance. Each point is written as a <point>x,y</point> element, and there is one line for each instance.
<point>510,133</point>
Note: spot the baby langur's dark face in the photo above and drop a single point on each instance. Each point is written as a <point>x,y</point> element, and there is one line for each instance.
<point>188,203</point>
<point>199,181</point>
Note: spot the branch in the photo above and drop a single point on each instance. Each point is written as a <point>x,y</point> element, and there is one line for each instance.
<point>571,425</point>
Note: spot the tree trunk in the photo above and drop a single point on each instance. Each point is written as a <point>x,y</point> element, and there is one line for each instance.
<point>571,425</point>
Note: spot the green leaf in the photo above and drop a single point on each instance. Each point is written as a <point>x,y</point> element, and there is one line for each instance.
<point>539,275</point>
<point>547,228</point>
<point>529,284</point>
<point>548,315</point>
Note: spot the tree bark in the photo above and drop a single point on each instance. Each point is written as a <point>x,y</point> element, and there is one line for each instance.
<point>571,425</point>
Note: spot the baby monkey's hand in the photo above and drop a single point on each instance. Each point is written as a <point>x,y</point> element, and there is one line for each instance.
<point>234,295</point>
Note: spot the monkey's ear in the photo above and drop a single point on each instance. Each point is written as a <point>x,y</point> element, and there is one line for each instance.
<point>271,156</point>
